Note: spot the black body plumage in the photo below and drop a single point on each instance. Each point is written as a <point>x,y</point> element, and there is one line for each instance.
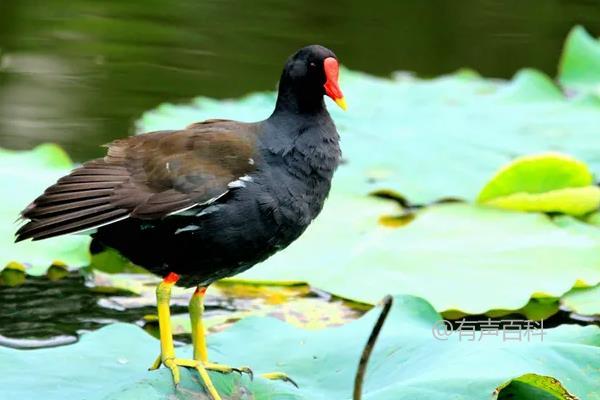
<point>251,222</point>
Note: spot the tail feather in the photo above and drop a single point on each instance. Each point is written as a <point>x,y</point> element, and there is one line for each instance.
<point>77,187</point>
<point>45,211</point>
<point>52,198</point>
<point>34,231</point>
<point>78,201</point>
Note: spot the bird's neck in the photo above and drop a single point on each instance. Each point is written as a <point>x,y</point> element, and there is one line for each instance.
<point>295,98</point>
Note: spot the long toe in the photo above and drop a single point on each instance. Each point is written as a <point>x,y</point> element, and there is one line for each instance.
<point>225,369</point>
<point>279,376</point>
<point>157,363</point>
<point>170,363</point>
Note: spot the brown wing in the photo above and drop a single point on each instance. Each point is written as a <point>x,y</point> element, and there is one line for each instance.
<point>147,176</point>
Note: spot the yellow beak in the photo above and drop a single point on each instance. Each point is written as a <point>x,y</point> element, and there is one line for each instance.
<point>342,103</point>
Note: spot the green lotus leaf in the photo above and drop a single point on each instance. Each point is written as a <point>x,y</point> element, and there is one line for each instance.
<point>13,274</point>
<point>593,219</point>
<point>23,176</point>
<point>538,308</point>
<point>408,362</point>
<point>458,256</point>
<point>549,182</point>
<point>572,201</point>
<point>533,386</point>
<point>583,300</point>
<point>537,174</point>
<point>580,62</point>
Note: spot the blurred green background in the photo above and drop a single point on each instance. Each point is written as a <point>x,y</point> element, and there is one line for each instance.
<point>79,72</point>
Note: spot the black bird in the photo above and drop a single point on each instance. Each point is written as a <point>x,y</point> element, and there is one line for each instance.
<point>209,201</point>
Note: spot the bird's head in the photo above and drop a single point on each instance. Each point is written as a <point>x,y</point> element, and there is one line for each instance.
<point>311,73</point>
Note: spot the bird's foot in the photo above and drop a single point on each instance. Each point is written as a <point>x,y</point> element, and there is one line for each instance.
<point>209,366</point>
<point>279,376</point>
<point>202,367</point>
<point>174,363</point>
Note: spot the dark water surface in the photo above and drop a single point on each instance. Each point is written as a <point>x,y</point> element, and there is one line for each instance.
<point>80,72</point>
<point>43,312</point>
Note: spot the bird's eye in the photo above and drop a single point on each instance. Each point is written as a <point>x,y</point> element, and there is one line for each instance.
<point>313,65</point>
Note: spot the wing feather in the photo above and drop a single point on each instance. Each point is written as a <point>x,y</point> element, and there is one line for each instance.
<point>147,177</point>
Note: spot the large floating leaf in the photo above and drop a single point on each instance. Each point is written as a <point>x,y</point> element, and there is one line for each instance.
<point>583,300</point>
<point>573,201</point>
<point>549,182</point>
<point>407,362</point>
<point>23,176</point>
<point>457,256</point>
<point>533,386</point>
<point>537,174</point>
<point>593,219</point>
<point>580,62</point>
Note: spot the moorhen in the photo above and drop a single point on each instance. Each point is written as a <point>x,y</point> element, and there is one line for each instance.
<point>209,201</point>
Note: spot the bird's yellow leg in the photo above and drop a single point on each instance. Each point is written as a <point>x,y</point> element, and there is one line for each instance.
<point>199,342</point>
<point>163,297</point>
<point>167,348</point>
<point>199,336</point>
<point>198,332</point>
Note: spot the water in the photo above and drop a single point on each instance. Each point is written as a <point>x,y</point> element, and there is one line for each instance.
<point>79,72</point>
<point>44,313</point>
<point>40,312</point>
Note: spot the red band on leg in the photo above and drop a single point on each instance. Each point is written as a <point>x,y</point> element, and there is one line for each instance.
<point>200,291</point>
<point>171,278</point>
